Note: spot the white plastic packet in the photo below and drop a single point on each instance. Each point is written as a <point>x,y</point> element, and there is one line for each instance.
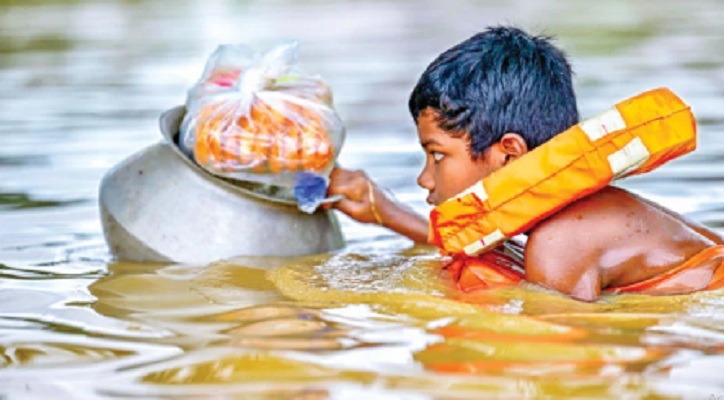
<point>254,118</point>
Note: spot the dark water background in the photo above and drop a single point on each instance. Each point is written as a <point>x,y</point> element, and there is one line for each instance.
<point>82,84</point>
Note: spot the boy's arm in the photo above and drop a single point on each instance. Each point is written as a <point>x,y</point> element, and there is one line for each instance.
<point>360,205</point>
<point>557,258</point>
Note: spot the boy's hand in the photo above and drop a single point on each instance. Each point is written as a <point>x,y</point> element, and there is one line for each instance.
<point>355,186</point>
<point>366,202</point>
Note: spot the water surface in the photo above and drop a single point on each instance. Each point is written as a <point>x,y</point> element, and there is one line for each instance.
<point>83,83</point>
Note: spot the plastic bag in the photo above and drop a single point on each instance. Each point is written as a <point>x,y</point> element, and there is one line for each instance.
<point>222,71</point>
<point>254,118</point>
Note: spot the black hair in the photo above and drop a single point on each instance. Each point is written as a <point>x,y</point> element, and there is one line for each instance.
<point>500,80</point>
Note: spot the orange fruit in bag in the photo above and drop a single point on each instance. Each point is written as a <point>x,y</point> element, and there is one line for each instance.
<point>286,137</point>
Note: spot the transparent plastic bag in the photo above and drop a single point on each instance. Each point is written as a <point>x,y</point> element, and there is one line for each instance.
<point>222,71</point>
<point>254,118</point>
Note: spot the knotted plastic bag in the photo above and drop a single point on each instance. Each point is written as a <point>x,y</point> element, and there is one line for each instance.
<point>254,118</point>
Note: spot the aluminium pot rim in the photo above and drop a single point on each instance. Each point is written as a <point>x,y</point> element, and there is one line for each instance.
<point>172,117</point>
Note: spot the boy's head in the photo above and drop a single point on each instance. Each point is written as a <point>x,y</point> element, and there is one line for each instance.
<point>486,101</point>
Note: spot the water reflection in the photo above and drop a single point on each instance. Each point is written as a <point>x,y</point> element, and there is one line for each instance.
<point>84,83</point>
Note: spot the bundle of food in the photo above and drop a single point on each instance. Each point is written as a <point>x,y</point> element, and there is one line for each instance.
<point>254,118</point>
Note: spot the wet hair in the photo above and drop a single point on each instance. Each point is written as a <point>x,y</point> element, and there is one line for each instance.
<point>500,80</point>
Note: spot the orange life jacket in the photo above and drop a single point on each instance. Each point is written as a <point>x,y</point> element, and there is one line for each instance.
<point>492,270</point>
<point>662,284</point>
<point>635,136</point>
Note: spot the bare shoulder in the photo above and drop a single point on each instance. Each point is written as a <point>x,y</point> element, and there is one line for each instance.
<point>562,251</point>
<point>586,222</point>
<point>609,238</point>
<point>616,217</point>
<point>604,239</point>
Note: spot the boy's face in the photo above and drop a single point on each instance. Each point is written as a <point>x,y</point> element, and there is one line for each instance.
<point>449,166</point>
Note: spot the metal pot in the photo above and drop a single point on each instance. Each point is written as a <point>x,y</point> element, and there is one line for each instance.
<point>158,205</point>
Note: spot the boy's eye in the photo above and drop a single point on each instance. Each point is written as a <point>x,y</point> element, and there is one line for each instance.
<point>437,156</point>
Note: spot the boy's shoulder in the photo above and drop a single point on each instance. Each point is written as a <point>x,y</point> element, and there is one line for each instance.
<point>614,218</point>
<point>573,246</point>
<point>596,215</point>
<point>611,237</point>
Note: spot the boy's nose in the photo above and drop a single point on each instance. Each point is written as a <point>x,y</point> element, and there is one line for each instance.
<point>425,180</point>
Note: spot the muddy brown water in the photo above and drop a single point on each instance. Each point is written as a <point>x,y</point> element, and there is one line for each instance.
<point>82,86</point>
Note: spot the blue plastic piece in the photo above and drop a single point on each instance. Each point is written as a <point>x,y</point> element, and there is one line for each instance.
<point>309,190</point>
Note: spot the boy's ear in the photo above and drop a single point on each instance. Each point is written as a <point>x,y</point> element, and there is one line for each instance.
<point>512,146</point>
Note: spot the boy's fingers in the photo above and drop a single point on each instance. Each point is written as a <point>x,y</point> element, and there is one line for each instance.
<point>354,209</point>
<point>327,205</point>
<point>336,171</point>
<point>352,186</point>
<point>328,202</point>
<point>338,189</point>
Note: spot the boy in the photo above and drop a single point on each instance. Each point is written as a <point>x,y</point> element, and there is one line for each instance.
<point>489,100</point>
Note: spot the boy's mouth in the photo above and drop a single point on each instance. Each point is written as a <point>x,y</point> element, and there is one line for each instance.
<point>431,200</point>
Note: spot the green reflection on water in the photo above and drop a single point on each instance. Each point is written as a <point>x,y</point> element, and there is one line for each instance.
<point>10,44</point>
<point>17,201</point>
<point>605,40</point>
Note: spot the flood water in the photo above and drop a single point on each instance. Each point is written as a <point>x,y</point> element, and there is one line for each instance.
<point>82,84</point>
